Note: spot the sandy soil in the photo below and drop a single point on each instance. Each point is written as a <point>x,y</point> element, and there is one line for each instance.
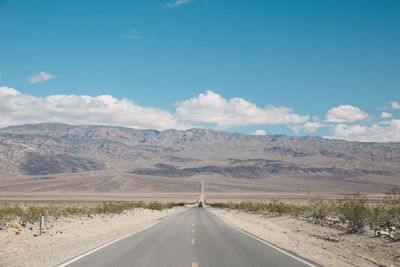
<point>323,245</point>
<point>67,237</point>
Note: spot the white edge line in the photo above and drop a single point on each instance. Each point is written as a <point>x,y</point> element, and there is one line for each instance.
<point>105,245</point>
<point>265,242</point>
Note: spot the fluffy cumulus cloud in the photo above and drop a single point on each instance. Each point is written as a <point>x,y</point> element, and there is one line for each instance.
<point>308,127</point>
<point>18,108</point>
<point>345,113</point>
<point>259,132</point>
<point>386,115</point>
<point>41,77</point>
<point>386,131</point>
<point>211,108</point>
<point>207,109</point>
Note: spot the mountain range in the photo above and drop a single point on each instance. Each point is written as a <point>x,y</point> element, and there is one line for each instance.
<point>37,158</point>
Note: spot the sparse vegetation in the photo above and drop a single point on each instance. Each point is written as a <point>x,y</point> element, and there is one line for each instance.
<point>355,211</point>
<point>274,206</point>
<point>30,212</point>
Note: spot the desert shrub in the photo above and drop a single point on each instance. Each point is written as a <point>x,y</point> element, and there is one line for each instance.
<point>140,204</point>
<point>250,206</point>
<point>354,210</point>
<point>392,204</point>
<point>386,213</point>
<point>155,206</point>
<point>318,207</point>
<point>117,207</point>
<point>69,211</point>
<point>279,207</point>
<point>32,213</point>
<point>9,212</point>
<point>392,196</point>
<point>377,216</point>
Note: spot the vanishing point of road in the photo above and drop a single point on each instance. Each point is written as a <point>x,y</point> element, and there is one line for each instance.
<point>192,238</point>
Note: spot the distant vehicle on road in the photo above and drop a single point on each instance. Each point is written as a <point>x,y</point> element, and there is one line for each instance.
<point>200,204</point>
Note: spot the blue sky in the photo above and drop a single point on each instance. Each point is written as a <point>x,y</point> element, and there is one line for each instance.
<point>327,68</point>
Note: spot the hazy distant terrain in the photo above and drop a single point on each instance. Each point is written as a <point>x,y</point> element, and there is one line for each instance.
<point>48,158</point>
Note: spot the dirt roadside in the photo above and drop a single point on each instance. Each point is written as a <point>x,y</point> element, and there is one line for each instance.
<point>323,245</point>
<point>66,237</point>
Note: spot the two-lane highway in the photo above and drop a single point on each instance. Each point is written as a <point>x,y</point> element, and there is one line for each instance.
<point>195,237</point>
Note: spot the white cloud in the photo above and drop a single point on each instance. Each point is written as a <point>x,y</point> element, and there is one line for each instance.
<point>315,118</point>
<point>134,34</point>
<point>179,2</point>
<point>387,131</point>
<point>209,108</point>
<point>386,115</point>
<point>259,132</point>
<point>395,105</point>
<point>213,109</point>
<point>345,113</point>
<point>343,130</point>
<point>308,127</point>
<point>18,108</point>
<point>41,77</point>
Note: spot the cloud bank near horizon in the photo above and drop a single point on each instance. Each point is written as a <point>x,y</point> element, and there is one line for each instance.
<point>385,131</point>
<point>18,108</point>
<point>211,108</point>
<point>207,110</point>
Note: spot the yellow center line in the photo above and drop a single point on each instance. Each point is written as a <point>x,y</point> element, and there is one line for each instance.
<point>195,264</point>
<point>192,230</point>
<point>192,240</point>
<point>192,224</point>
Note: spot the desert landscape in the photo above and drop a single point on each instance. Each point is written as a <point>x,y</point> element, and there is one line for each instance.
<point>59,165</point>
<point>310,230</point>
<point>200,133</point>
<point>53,164</point>
<point>64,162</point>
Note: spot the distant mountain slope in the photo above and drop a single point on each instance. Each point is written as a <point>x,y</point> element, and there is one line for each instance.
<point>36,164</point>
<point>37,149</point>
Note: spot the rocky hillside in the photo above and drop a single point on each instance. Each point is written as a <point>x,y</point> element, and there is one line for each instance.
<point>41,149</point>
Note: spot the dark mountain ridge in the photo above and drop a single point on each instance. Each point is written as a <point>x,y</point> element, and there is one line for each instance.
<point>33,148</point>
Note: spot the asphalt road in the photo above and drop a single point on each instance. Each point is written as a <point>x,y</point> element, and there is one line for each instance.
<point>196,238</point>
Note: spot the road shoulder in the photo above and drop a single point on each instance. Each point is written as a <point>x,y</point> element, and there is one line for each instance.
<point>66,237</point>
<point>323,245</point>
